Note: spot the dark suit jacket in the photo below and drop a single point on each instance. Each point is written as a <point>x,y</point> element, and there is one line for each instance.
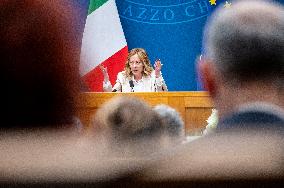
<point>252,119</point>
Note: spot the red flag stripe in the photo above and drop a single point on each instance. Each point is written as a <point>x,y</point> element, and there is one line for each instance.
<point>114,64</point>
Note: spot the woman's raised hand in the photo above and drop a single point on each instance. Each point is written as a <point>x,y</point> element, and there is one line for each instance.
<point>158,66</point>
<point>105,73</point>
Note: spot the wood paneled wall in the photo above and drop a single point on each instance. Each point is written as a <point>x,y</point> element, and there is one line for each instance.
<point>194,107</point>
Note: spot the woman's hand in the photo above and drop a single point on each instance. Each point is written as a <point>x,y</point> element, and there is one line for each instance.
<point>105,73</point>
<point>158,66</point>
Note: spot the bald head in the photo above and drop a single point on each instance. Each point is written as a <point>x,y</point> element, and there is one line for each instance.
<point>246,42</point>
<point>244,60</point>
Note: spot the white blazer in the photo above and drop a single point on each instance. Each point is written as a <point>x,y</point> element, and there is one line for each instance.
<point>150,83</point>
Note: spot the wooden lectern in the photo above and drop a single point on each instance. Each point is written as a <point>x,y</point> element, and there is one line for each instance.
<point>194,107</point>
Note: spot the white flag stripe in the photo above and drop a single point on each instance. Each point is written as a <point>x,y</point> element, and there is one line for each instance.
<point>103,36</point>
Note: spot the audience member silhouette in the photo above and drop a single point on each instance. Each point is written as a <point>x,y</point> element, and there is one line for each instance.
<point>130,125</point>
<point>173,123</point>
<point>243,65</point>
<point>39,63</point>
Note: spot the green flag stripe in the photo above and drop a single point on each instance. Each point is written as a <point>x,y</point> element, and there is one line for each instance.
<point>94,4</point>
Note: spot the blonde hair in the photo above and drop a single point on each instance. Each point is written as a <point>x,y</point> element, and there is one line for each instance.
<point>143,57</point>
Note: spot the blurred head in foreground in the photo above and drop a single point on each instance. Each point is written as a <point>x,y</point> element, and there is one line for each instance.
<point>39,63</point>
<point>130,125</point>
<point>244,60</point>
<point>173,123</point>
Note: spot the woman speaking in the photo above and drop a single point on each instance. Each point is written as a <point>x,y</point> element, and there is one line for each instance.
<point>138,75</point>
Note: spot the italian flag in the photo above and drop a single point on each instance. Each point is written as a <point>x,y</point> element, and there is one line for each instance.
<point>103,43</point>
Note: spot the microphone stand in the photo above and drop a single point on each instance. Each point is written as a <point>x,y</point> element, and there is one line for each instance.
<point>131,85</point>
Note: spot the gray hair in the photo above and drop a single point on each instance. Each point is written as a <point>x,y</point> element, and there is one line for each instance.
<point>130,127</point>
<point>174,125</point>
<point>246,42</point>
<point>129,119</point>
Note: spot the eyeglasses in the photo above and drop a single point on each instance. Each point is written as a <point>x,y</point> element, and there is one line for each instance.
<point>135,62</point>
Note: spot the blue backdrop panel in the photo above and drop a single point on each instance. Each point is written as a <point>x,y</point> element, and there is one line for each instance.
<point>170,30</point>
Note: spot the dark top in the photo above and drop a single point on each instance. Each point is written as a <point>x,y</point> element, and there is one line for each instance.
<point>252,119</point>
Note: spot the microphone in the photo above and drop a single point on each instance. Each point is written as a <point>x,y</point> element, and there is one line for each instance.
<point>131,85</point>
